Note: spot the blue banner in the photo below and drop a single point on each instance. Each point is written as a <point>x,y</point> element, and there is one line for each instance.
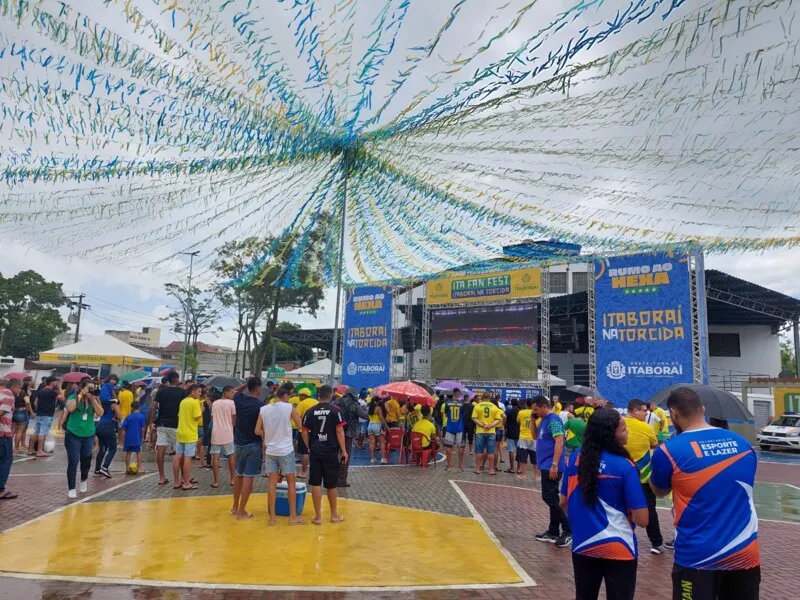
<point>366,360</point>
<point>643,327</point>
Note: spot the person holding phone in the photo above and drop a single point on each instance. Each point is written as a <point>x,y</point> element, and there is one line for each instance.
<point>79,434</point>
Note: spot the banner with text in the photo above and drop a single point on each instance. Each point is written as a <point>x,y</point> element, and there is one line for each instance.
<point>643,325</point>
<point>367,352</point>
<point>500,285</point>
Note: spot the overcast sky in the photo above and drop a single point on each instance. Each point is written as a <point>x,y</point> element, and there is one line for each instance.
<point>122,296</point>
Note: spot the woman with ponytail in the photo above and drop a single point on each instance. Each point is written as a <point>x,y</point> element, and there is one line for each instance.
<point>603,497</point>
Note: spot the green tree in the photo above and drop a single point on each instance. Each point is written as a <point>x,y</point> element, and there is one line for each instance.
<point>787,356</point>
<point>257,306</point>
<point>287,351</point>
<point>199,312</point>
<point>29,316</point>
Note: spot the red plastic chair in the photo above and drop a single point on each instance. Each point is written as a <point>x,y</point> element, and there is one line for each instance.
<point>394,441</point>
<point>419,453</point>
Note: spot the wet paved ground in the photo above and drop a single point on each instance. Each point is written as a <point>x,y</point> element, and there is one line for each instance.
<point>512,512</point>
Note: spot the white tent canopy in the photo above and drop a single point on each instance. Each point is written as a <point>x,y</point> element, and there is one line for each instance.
<point>317,370</point>
<point>100,350</point>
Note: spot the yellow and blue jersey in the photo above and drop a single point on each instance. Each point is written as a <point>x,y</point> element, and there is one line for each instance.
<point>454,422</point>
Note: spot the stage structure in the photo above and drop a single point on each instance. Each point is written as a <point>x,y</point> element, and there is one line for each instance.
<point>501,308</point>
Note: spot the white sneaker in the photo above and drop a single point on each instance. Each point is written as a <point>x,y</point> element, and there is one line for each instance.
<point>84,487</point>
<point>384,461</point>
<point>72,494</point>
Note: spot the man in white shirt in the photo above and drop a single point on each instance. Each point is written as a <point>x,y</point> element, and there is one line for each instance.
<point>275,428</point>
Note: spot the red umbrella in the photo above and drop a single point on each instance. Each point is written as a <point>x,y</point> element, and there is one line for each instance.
<point>140,382</point>
<point>75,377</point>
<point>341,389</point>
<point>406,390</point>
<point>16,375</point>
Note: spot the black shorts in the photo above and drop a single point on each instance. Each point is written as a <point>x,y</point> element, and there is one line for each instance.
<point>470,431</point>
<point>523,454</point>
<point>301,446</point>
<point>693,584</point>
<point>324,471</point>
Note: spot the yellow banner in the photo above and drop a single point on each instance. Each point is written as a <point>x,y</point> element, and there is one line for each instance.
<point>787,399</point>
<point>97,359</point>
<point>485,287</point>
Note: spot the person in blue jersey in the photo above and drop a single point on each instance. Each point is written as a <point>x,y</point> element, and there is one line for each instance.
<point>600,489</point>
<point>550,461</point>
<point>454,429</point>
<point>711,472</point>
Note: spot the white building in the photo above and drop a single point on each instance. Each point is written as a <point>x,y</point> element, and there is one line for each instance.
<point>149,336</point>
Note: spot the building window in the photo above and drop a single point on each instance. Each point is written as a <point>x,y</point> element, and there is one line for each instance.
<point>558,283</point>
<point>580,281</point>
<point>724,344</point>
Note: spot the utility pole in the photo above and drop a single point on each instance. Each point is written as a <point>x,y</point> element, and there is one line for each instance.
<point>335,350</point>
<point>80,306</point>
<point>188,310</point>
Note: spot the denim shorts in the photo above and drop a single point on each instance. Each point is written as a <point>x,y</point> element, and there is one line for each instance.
<point>248,460</point>
<point>284,464</point>
<point>224,449</point>
<point>43,425</point>
<point>20,416</point>
<point>188,449</point>
<point>484,442</point>
<point>374,429</point>
<point>511,445</point>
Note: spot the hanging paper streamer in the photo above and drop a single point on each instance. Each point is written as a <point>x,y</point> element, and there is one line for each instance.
<point>622,125</point>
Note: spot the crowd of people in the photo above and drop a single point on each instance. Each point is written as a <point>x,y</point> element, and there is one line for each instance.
<point>600,471</point>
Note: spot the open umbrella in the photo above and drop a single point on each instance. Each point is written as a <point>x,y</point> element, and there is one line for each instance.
<point>220,381</point>
<point>133,376</point>
<point>406,390</point>
<point>423,385</point>
<point>448,386</point>
<point>16,375</point>
<point>75,377</point>
<point>718,403</point>
<point>341,389</point>
<point>583,390</point>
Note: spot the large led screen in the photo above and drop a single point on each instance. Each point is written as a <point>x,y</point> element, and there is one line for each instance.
<point>485,342</point>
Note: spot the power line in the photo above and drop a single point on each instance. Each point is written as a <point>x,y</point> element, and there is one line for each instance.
<point>121,307</point>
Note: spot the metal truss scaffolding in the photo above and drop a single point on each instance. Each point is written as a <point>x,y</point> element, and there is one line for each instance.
<point>396,341</point>
<point>694,295</point>
<point>592,326</point>
<point>544,320</point>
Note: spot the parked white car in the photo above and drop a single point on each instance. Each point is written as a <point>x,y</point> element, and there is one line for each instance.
<point>783,432</point>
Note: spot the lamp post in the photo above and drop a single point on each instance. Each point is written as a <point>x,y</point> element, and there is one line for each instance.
<point>188,309</point>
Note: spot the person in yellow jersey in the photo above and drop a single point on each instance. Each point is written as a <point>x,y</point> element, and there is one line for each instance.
<point>426,427</point>
<point>557,408</point>
<point>585,410</point>
<point>392,416</point>
<point>125,397</point>
<point>413,414</point>
<point>190,415</point>
<point>486,417</point>
<point>657,419</point>
<point>641,442</point>
<point>375,429</point>
<point>305,402</point>
<point>526,446</point>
